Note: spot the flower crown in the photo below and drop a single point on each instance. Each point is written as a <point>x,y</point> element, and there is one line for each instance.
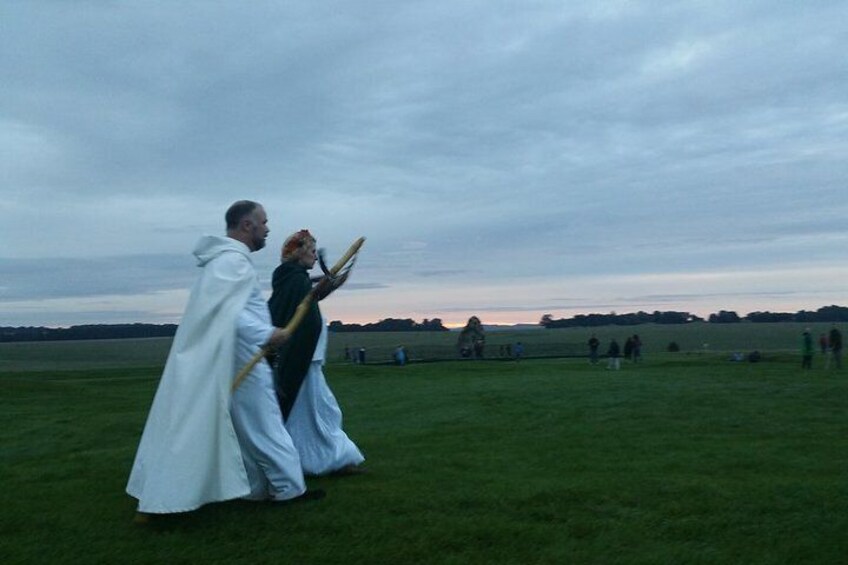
<point>294,242</point>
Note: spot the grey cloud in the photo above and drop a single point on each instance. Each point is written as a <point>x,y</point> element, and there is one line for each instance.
<point>28,279</point>
<point>500,308</point>
<point>59,317</point>
<point>440,273</point>
<point>695,296</point>
<point>510,141</point>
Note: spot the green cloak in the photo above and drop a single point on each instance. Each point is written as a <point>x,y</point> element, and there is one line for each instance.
<point>291,284</point>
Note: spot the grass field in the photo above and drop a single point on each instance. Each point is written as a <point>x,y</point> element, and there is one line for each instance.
<point>718,338</point>
<point>691,338</point>
<point>682,459</point>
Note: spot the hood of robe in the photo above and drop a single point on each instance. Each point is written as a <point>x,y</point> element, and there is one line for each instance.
<point>211,246</point>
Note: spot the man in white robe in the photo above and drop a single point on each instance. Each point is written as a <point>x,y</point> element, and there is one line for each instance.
<point>195,448</point>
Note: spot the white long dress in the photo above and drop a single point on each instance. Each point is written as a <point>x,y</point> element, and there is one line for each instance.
<point>315,422</point>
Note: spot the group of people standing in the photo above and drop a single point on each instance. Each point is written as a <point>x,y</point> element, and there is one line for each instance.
<point>830,345</point>
<point>357,355</point>
<point>511,351</point>
<point>632,351</point>
<point>207,442</point>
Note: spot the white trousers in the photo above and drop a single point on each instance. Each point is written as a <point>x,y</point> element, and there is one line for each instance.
<point>270,458</point>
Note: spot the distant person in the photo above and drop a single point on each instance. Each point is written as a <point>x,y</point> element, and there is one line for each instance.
<point>614,356</point>
<point>628,349</point>
<point>823,344</point>
<point>519,351</point>
<point>472,339</point>
<point>594,344</point>
<point>360,356</point>
<point>806,350</point>
<point>637,348</point>
<point>201,443</point>
<point>400,355</point>
<point>310,410</point>
<point>834,339</point>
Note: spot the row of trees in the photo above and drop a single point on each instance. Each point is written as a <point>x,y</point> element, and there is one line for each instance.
<point>824,314</point>
<point>120,331</point>
<point>95,331</point>
<point>391,325</point>
<point>613,319</point>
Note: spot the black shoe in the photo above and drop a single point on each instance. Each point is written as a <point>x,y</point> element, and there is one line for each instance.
<point>314,494</point>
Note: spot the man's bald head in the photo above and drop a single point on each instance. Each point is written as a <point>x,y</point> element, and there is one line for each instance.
<point>247,223</point>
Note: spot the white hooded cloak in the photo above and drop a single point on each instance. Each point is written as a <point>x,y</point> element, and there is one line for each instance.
<point>189,454</point>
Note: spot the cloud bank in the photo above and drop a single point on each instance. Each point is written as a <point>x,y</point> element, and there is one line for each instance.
<point>488,153</point>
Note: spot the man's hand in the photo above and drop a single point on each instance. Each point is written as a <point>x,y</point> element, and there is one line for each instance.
<point>279,337</point>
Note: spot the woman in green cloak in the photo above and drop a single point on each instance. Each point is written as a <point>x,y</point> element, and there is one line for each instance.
<point>311,413</point>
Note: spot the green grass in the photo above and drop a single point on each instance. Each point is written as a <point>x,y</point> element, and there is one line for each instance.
<point>683,459</point>
<point>83,355</point>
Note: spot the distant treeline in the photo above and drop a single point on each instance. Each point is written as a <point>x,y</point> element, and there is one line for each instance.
<point>120,331</point>
<point>824,314</point>
<point>95,331</point>
<point>391,325</point>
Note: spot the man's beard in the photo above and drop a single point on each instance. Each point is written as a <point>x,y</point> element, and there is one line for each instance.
<point>258,243</point>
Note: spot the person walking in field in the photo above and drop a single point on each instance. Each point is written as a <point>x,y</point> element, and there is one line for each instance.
<point>311,413</point>
<point>399,355</point>
<point>807,349</point>
<point>201,443</point>
<point>637,349</point>
<point>519,351</point>
<point>628,348</point>
<point>614,356</point>
<point>593,349</point>
<point>835,342</point>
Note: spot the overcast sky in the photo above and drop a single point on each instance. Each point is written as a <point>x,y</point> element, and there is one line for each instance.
<point>504,159</point>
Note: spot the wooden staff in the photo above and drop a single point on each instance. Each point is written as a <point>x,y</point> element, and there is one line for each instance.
<point>298,316</point>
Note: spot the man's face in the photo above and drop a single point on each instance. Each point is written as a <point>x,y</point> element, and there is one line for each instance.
<point>258,229</point>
